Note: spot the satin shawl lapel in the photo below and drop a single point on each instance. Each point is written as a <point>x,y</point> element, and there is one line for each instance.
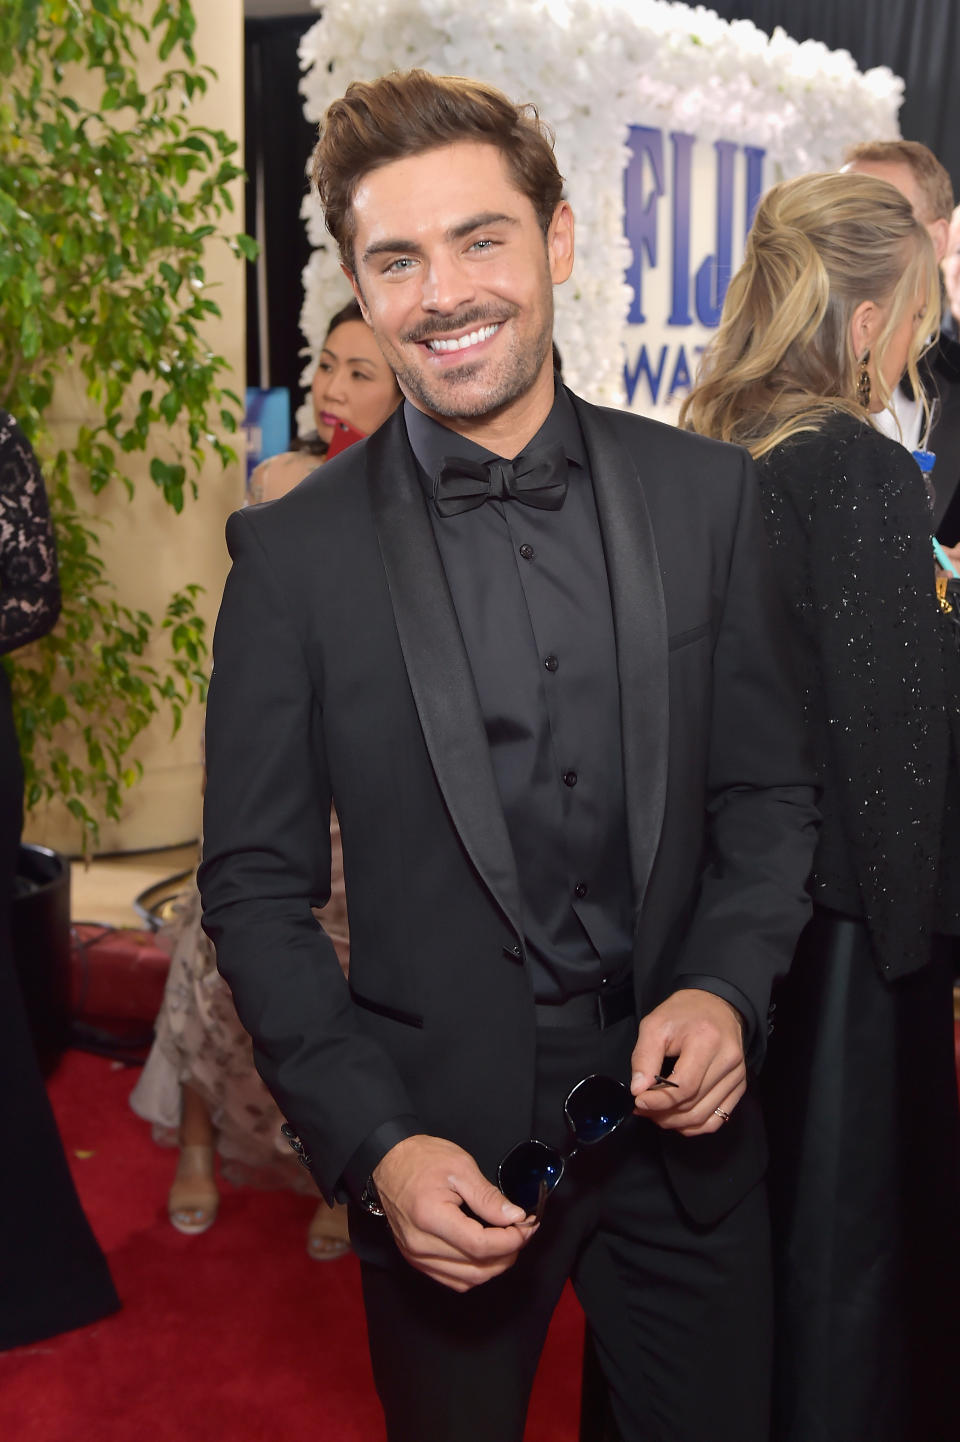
<point>640,628</point>
<point>436,661</point>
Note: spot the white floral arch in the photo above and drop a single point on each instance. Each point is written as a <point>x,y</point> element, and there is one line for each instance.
<point>595,67</point>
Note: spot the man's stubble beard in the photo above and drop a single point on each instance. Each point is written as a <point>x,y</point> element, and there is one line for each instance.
<point>513,377</point>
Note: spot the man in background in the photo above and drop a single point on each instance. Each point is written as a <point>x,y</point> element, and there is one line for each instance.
<point>951,279</point>
<point>916,172</point>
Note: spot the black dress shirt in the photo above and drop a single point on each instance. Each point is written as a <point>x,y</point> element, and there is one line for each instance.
<point>532,597</point>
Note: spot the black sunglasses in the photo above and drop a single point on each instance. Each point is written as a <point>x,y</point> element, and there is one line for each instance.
<point>531,1170</point>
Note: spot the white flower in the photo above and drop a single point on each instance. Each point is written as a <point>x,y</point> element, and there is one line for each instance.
<point>595,67</point>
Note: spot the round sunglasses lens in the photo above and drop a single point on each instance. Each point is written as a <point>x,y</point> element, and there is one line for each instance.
<point>523,1170</point>
<point>596,1107</point>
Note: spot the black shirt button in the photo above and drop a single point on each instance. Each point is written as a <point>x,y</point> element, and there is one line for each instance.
<point>581,889</point>
<point>527,552</point>
<point>551,662</point>
<point>569,778</point>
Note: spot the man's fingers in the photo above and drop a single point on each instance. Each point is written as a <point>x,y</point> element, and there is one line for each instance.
<point>484,1199</point>
<point>704,1116</point>
<point>458,1251</point>
<point>424,1183</point>
<point>471,1241</point>
<point>460,1276</point>
<point>695,1082</point>
<point>693,1057</point>
<point>693,1051</point>
<point>704,1035</point>
<point>648,1055</point>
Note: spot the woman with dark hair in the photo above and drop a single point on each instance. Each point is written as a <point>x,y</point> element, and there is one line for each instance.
<point>837,298</point>
<point>53,1275</point>
<point>200,1087</point>
<point>352,390</point>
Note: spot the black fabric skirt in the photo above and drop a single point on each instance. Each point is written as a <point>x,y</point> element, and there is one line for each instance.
<point>860,1091</point>
<point>53,1275</point>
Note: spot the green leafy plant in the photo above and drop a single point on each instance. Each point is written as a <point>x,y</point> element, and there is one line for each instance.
<point>106,210</point>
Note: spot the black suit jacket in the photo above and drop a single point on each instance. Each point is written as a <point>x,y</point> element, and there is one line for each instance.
<point>944,388</point>
<point>340,670</point>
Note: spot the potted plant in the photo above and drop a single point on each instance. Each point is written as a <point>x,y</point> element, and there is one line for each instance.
<point>110,196</point>
<point>107,207</point>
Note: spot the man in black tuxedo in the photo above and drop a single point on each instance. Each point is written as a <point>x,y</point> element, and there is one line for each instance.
<point>950,268</point>
<point>531,650</point>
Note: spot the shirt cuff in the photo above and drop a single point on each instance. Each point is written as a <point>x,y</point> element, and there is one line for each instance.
<point>372,1151</point>
<point>734,996</point>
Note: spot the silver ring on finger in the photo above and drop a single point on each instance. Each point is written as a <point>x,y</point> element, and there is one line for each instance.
<point>719,1112</point>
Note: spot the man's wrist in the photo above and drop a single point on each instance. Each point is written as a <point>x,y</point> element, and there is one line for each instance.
<point>360,1168</point>
<point>729,993</point>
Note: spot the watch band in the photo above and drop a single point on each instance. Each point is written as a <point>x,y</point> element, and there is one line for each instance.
<point>370,1199</point>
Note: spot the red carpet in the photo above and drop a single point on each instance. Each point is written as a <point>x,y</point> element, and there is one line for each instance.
<point>235,1336</point>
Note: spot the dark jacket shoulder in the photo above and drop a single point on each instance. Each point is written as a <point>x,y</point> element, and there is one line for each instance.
<point>645,437</point>
<point>843,449</point>
<point>303,532</point>
<point>945,359</point>
<point>329,486</point>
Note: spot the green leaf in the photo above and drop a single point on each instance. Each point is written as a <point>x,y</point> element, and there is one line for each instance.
<point>173,277</point>
<point>29,337</point>
<point>67,51</point>
<point>247,246</point>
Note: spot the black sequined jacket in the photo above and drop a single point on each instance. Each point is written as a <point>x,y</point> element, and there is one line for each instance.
<point>850,524</point>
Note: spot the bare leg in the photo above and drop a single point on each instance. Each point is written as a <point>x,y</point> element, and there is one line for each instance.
<point>327,1237</point>
<point>193,1200</point>
<point>196,1128</point>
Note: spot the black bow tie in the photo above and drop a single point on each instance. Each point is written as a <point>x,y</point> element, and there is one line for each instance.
<point>535,478</point>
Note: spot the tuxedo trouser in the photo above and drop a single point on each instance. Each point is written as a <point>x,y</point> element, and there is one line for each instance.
<point>680,1312</point>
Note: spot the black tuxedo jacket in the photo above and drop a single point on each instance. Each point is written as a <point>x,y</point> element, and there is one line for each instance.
<point>339,670</point>
<point>944,387</point>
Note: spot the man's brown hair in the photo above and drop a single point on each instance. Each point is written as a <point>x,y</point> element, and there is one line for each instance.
<point>934,181</point>
<point>412,111</point>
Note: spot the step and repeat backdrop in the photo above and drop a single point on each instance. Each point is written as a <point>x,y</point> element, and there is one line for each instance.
<point>670,123</point>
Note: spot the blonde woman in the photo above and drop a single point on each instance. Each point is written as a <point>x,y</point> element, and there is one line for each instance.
<point>836,299</point>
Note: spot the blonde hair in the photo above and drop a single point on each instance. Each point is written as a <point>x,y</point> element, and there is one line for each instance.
<point>782,359</point>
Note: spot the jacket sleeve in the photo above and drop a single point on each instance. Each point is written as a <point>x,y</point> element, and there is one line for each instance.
<point>267,863</point>
<point>852,525</point>
<point>761,793</point>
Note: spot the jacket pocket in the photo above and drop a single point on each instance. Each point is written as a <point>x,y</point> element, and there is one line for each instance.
<point>685,638</point>
<point>392,1013</point>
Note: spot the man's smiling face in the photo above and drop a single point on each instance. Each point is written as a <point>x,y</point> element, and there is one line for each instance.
<point>456,278</point>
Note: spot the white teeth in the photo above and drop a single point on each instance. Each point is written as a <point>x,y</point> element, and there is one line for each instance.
<point>474,338</point>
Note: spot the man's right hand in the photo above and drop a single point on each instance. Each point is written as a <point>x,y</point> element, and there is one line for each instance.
<point>423,1182</point>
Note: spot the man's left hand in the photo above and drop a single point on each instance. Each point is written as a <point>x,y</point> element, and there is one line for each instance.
<point>705,1035</point>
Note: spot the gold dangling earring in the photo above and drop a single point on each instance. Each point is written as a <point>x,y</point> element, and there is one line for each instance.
<point>863,382</point>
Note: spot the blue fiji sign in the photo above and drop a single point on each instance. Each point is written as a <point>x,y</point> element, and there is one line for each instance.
<point>688,206</point>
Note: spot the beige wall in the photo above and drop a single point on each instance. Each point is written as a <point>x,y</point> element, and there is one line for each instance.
<point>150,551</point>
